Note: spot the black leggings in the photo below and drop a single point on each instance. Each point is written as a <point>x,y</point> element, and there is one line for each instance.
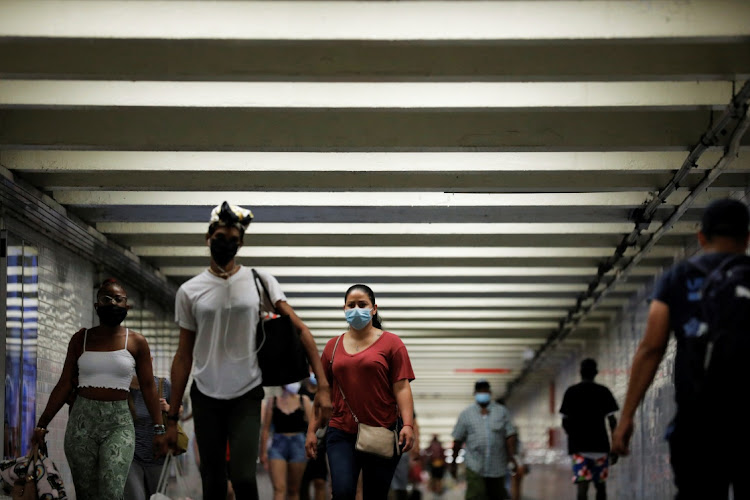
<point>218,421</point>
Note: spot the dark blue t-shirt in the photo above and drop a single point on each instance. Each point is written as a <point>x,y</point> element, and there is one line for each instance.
<point>680,289</point>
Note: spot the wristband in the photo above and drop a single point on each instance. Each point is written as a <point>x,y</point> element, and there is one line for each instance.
<point>408,425</point>
<point>173,417</point>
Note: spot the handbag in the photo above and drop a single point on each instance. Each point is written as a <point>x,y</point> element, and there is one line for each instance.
<point>32,476</point>
<point>371,439</point>
<point>281,355</point>
<point>182,437</point>
<point>24,487</point>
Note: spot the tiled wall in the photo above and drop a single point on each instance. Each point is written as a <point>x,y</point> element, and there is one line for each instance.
<point>66,290</point>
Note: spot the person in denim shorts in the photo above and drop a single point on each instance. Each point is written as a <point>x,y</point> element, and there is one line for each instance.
<point>287,417</point>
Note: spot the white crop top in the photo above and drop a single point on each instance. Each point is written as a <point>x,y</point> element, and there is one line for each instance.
<point>106,369</point>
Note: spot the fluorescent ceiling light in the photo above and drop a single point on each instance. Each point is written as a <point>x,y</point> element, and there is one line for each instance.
<point>411,302</point>
<point>439,271</point>
<point>354,199</point>
<point>332,95</point>
<point>409,334</point>
<point>373,20</point>
<point>371,198</point>
<point>416,288</point>
<point>330,314</point>
<point>446,325</point>
<point>313,228</point>
<point>445,161</point>
<point>396,252</point>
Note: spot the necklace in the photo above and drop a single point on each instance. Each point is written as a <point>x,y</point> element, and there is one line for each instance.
<point>223,274</point>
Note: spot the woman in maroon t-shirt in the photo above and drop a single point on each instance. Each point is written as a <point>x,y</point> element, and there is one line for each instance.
<point>373,370</point>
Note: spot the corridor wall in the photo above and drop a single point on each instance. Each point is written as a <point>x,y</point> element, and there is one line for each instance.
<point>67,286</point>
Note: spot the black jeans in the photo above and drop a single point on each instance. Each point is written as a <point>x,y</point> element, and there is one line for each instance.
<point>237,421</point>
<point>346,463</point>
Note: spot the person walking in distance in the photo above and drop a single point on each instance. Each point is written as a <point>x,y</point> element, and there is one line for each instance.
<point>705,302</point>
<point>289,416</point>
<point>435,456</point>
<point>316,471</point>
<point>370,372</point>
<point>145,469</point>
<point>490,438</point>
<point>217,312</point>
<point>585,408</point>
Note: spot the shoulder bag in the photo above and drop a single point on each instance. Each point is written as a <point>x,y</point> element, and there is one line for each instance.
<point>371,439</point>
<point>281,355</point>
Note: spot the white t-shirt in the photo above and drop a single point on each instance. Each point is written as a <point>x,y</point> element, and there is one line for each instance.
<point>223,313</point>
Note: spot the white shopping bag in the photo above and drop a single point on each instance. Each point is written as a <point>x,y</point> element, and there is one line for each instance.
<point>162,486</point>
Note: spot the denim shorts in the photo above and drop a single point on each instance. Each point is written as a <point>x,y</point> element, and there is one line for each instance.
<point>288,447</point>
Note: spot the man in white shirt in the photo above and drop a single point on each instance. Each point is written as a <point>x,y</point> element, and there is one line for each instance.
<point>217,312</point>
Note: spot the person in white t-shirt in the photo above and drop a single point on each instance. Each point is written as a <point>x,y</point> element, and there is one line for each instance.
<point>217,312</point>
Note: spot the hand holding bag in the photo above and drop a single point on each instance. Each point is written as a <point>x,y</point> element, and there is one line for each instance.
<point>371,439</point>
<point>281,355</point>
<point>34,473</point>
<point>182,438</point>
<point>24,487</point>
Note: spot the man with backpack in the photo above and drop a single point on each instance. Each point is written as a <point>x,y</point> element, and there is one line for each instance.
<point>705,301</point>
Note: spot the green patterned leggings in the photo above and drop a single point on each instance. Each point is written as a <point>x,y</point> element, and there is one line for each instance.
<point>99,446</point>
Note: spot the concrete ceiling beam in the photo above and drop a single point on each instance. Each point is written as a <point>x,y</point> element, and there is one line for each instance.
<point>458,181</point>
<point>232,129</point>
<point>605,59</point>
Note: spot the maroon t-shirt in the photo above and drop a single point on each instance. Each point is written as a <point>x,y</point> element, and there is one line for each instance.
<point>367,378</point>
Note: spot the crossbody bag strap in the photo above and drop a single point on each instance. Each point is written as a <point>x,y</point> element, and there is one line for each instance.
<point>161,387</point>
<point>333,354</point>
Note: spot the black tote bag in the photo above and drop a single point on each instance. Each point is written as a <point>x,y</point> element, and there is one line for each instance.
<point>281,355</point>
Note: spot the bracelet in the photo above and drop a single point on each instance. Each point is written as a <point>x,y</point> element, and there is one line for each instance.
<point>408,425</point>
<point>173,417</point>
<point>159,429</point>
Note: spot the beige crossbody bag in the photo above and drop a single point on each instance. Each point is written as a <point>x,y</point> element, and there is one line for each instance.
<point>371,439</point>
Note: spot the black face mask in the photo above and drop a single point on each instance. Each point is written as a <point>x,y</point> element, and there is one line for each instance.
<point>223,250</point>
<point>111,315</point>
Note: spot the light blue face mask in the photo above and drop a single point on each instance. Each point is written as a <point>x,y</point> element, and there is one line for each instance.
<point>292,388</point>
<point>358,318</point>
<point>482,397</point>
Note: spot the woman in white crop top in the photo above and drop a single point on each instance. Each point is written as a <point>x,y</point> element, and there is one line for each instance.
<point>99,366</point>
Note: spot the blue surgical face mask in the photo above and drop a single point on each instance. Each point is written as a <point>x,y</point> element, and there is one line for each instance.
<point>292,388</point>
<point>358,318</point>
<point>482,397</point>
